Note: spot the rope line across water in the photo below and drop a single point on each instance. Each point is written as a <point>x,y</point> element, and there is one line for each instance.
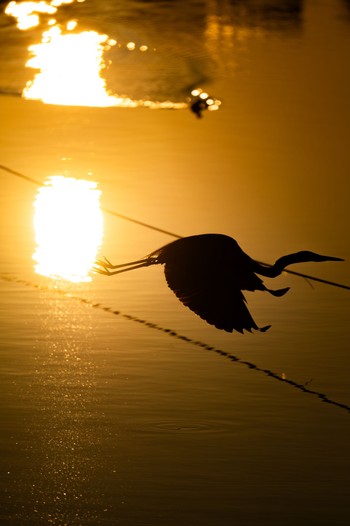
<point>233,358</point>
<point>172,234</point>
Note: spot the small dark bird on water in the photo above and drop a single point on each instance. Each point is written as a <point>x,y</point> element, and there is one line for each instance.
<point>208,273</point>
<point>198,106</point>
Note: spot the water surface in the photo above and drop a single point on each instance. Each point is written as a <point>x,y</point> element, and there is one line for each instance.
<point>109,420</point>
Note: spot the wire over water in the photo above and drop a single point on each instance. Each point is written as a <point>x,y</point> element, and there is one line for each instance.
<point>233,358</point>
<point>141,223</point>
<point>172,234</point>
<point>252,366</point>
<point>111,212</point>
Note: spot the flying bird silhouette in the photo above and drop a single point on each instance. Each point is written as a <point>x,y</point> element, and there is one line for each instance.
<point>208,272</point>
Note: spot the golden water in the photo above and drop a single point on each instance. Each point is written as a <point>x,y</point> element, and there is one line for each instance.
<point>108,420</point>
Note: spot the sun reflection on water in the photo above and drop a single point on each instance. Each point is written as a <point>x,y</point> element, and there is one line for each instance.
<point>26,13</point>
<point>69,61</point>
<point>68,226</point>
<point>69,67</point>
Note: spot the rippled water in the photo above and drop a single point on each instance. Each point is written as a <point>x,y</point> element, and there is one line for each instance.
<point>119,406</point>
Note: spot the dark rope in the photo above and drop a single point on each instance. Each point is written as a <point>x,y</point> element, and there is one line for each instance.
<point>157,229</point>
<point>22,176</point>
<point>141,223</point>
<point>235,359</point>
<point>111,212</point>
<point>306,276</point>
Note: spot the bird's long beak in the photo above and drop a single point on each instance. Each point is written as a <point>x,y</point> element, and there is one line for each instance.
<point>330,258</point>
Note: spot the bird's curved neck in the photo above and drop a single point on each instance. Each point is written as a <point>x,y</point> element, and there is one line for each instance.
<point>272,271</point>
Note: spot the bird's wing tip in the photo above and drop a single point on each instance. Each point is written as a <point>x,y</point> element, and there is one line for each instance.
<point>264,329</point>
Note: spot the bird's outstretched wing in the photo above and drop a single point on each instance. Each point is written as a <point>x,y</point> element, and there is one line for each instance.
<point>209,294</point>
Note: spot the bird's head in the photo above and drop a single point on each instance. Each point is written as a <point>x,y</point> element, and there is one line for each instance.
<point>303,256</point>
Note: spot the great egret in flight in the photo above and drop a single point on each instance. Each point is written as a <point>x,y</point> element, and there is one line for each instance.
<point>208,273</point>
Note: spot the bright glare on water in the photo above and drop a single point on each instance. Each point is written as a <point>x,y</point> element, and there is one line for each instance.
<point>70,66</point>
<point>68,226</point>
<point>69,61</point>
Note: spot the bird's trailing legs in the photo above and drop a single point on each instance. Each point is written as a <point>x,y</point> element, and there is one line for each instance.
<point>107,268</point>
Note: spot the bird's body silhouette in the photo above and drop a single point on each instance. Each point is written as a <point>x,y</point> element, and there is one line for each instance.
<point>208,272</point>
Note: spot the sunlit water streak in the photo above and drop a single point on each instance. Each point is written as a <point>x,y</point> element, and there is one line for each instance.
<point>68,225</point>
<point>26,13</point>
<point>64,389</point>
<point>70,64</point>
